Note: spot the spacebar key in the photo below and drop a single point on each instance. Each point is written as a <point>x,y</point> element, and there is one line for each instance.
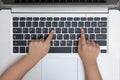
<point>60,50</point>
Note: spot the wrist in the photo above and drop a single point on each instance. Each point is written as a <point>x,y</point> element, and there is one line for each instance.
<point>90,63</point>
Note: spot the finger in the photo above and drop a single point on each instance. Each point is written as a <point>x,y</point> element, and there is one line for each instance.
<point>98,46</point>
<point>50,36</point>
<point>42,40</point>
<point>83,41</point>
<point>93,43</point>
<point>88,42</point>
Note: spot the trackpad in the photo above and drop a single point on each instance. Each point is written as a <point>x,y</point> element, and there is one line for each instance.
<point>62,68</point>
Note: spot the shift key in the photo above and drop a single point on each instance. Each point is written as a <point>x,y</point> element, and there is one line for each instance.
<point>19,43</point>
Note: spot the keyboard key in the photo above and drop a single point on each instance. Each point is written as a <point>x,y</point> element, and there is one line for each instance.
<point>102,24</point>
<point>36,18</point>
<point>50,29</point>
<point>54,24</point>
<point>33,36</point>
<point>15,18</point>
<point>102,43</point>
<point>76,18</point>
<point>83,18</point>
<point>54,37</point>
<point>40,36</point>
<point>48,24</point>
<point>49,18</point>
<point>78,36</point>
<point>17,36</point>
<point>71,30</point>
<point>103,51</point>
<point>69,18</point>
<point>22,18</point>
<point>17,30</point>
<point>77,30</point>
<point>64,30</point>
<point>27,36</point>
<point>15,50</point>
<point>19,43</point>
<point>90,18</point>
<point>27,49</point>
<point>51,43</point>
<point>69,43</point>
<point>75,43</point>
<point>90,30</point>
<point>32,30</point>
<point>92,36</point>
<point>74,24</point>
<point>101,36</point>
<point>81,24</point>
<point>104,18</point>
<point>59,36</point>
<point>85,30</point>
<point>63,18</point>
<point>66,36</point>
<point>58,30</point>
<point>61,24</point>
<point>29,18</point>
<point>56,18</point>
<point>87,24</point>
<point>41,24</point>
<point>75,49</point>
<point>22,24</point>
<point>15,24</point>
<point>46,36</point>
<point>22,50</point>
<point>94,24</point>
<point>72,36</point>
<point>56,43</point>
<point>35,24</point>
<point>45,30</point>
<point>103,30</point>
<point>25,30</point>
<point>42,18</point>
<point>97,30</point>
<point>67,24</point>
<point>62,43</point>
<point>60,50</point>
<point>86,36</point>
<point>38,30</point>
<point>28,24</point>
<point>97,18</point>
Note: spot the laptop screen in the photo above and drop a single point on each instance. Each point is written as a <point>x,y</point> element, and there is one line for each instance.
<point>60,1</point>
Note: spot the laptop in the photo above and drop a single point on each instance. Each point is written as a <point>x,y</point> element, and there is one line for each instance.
<point>24,20</point>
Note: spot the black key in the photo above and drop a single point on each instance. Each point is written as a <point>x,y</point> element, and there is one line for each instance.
<point>27,36</point>
<point>32,30</point>
<point>38,30</point>
<point>72,36</point>
<point>46,36</point>
<point>59,36</point>
<point>97,30</point>
<point>96,18</point>
<point>81,24</point>
<point>17,36</point>
<point>104,18</point>
<point>49,18</point>
<point>60,50</point>
<point>54,24</point>
<point>25,30</point>
<point>22,18</point>
<point>87,24</point>
<point>36,18</point>
<point>71,30</point>
<point>63,18</point>
<point>17,30</point>
<point>56,18</point>
<point>92,36</point>
<point>15,50</point>
<point>69,18</point>
<point>28,24</point>
<point>67,24</point>
<point>51,43</point>
<point>35,24</point>
<point>50,29</point>
<point>41,24</point>
<point>61,24</point>
<point>28,42</point>
<point>101,36</point>
<point>42,18</point>
<point>45,30</point>
<point>27,49</point>
<point>90,30</point>
<point>76,18</point>
<point>74,24</point>
<point>103,30</point>
<point>94,24</point>
<point>66,36</point>
<point>22,24</point>
<point>19,43</point>
<point>54,36</point>
<point>83,18</point>
<point>58,30</point>
<point>78,36</point>
<point>103,51</point>
<point>89,18</point>
<point>48,24</point>
<point>64,30</point>
<point>15,24</point>
<point>33,36</point>
<point>102,24</point>
<point>29,18</point>
<point>75,43</point>
<point>102,43</point>
<point>69,43</point>
<point>22,50</point>
<point>77,30</point>
<point>86,36</point>
<point>40,36</point>
<point>56,43</point>
<point>75,49</point>
<point>62,43</point>
<point>15,18</point>
<point>85,30</point>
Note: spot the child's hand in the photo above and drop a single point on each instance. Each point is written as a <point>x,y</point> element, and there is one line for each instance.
<point>87,50</point>
<point>41,47</point>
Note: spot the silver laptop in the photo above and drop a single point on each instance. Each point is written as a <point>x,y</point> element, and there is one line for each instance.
<point>24,20</point>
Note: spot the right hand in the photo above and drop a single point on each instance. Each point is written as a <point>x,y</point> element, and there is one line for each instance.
<point>87,50</point>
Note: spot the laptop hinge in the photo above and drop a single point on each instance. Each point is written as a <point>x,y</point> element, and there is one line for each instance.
<point>59,9</point>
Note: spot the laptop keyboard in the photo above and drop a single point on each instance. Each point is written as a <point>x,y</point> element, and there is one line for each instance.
<point>67,32</point>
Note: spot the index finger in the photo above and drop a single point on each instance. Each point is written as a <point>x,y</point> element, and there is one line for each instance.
<point>83,40</point>
<point>50,36</point>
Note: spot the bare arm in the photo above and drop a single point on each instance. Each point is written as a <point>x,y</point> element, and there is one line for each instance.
<point>89,51</point>
<point>37,50</point>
